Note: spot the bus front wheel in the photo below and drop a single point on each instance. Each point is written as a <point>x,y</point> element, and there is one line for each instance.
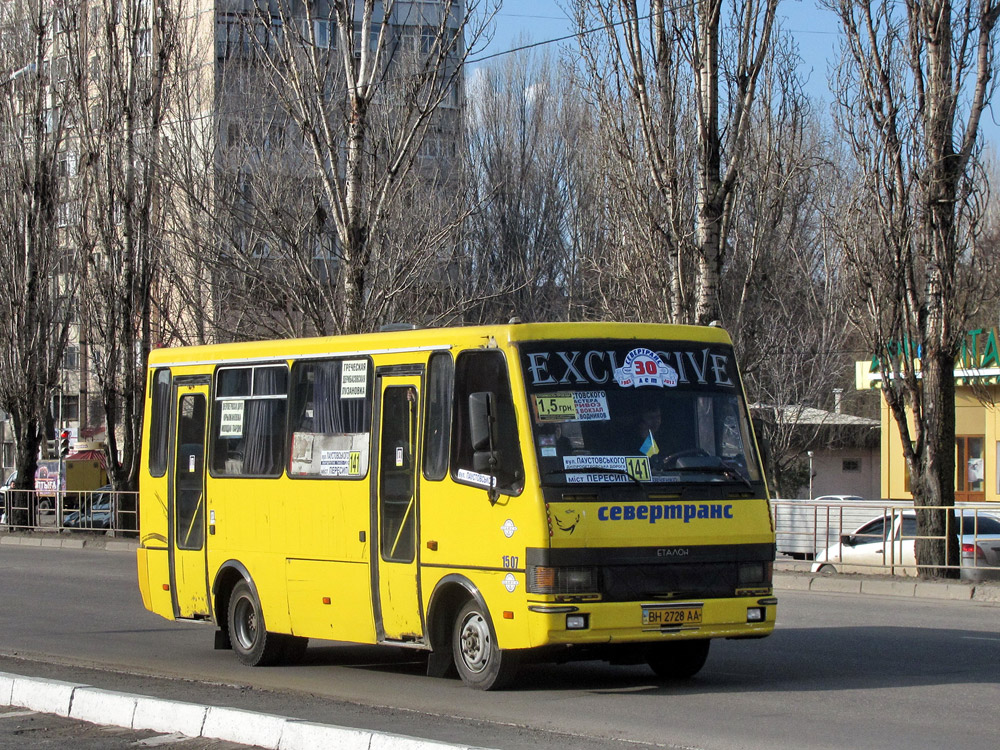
<point>254,646</point>
<point>480,662</point>
<point>678,660</point>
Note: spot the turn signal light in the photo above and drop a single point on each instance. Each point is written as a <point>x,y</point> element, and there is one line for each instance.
<point>548,580</point>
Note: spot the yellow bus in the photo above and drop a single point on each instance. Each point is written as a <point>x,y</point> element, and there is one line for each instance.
<point>489,495</point>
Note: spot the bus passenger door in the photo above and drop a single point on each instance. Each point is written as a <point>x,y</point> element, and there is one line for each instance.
<point>394,518</point>
<point>188,562</point>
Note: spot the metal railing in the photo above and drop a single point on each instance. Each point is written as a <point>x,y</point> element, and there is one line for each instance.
<point>105,511</point>
<point>823,537</point>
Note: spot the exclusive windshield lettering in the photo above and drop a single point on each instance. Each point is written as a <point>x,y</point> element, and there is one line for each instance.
<point>597,367</point>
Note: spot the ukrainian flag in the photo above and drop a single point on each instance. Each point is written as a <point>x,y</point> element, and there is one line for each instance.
<point>649,447</point>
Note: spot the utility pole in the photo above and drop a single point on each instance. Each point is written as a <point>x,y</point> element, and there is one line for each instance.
<point>59,449</point>
<point>810,454</point>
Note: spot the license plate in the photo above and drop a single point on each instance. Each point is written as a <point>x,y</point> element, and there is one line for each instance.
<point>671,616</point>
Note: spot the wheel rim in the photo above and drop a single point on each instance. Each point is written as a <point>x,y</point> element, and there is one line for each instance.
<point>245,625</point>
<point>475,642</point>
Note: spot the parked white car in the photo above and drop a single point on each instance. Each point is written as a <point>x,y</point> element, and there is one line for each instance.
<point>886,544</point>
<point>839,499</point>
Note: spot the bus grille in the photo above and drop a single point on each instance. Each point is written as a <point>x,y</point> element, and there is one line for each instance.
<point>620,583</point>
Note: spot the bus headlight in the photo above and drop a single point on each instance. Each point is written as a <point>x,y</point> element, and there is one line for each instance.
<point>548,580</point>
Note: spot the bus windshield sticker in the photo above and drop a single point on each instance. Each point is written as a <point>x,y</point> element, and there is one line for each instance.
<point>572,406</point>
<point>594,462</point>
<point>625,467</point>
<point>231,425</point>
<point>644,367</point>
<point>547,444</point>
<point>333,463</point>
<point>597,478</point>
<point>474,477</point>
<point>354,378</point>
<point>555,407</point>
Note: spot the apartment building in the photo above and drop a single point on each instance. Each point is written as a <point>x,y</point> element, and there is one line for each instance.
<point>221,70</point>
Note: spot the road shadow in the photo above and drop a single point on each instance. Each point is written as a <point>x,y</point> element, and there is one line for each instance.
<point>814,659</point>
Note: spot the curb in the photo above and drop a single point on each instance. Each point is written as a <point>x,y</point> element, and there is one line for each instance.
<point>140,712</point>
<point>906,588</point>
<point>55,541</point>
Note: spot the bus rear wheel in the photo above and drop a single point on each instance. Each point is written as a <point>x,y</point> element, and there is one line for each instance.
<point>678,660</point>
<point>254,646</point>
<point>480,662</point>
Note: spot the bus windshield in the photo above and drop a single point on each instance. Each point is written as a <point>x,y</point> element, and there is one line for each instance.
<point>637,411</point>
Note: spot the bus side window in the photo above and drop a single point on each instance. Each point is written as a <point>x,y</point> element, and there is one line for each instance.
<point>330,423</point>
<point>440,388</point>
<point>478,372</point>
<point>159,428</point>
<point>249,421</point>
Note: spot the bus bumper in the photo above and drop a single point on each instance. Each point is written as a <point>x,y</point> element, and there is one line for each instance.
<point>553,623</point>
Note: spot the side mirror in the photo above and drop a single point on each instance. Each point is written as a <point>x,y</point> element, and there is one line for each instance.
<point>763,444</point>
<point>848,540</point>
<point>481,421</point>
<point>482,433</point>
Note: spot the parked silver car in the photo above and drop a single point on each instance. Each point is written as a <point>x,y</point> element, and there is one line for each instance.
<point>96,511</point>
<point>887,543</point>
<point>981,549</point>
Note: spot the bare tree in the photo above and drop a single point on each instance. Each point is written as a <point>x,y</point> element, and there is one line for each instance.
<point>912,86</point>
<point>526,124</point>
<point>119,53</point>
<point>196,229</point>
<point>675,88</point>
<point>781,288</point>
<point>373,92</point>
<point>36,294</point>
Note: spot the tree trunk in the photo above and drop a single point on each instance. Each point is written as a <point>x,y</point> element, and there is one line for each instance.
<point>354,237</point>
<point>28,436</point>
<point>934,490</point>
<point>710,198</point>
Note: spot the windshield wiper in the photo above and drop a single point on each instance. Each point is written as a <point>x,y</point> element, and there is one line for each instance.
<point>727,471</point>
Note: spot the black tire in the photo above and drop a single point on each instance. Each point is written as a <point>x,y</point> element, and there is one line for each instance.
<point>254,646</point>
<point>827,570</point>
<point>678,660</point>
<point>480,662</point>
<point>45,505</point>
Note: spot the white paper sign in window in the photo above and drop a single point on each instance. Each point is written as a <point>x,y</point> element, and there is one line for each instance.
<point>354,378</point>
<point>231,423</point>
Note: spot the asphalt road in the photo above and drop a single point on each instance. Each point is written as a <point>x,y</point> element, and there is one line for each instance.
<point>841,670</point>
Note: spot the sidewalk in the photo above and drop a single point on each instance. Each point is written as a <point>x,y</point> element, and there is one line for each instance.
<point>141,712</point>
<point>792,577</point>
<point>68,540</point>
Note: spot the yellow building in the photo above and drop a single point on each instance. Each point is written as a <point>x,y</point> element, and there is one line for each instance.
<point>977,423</point>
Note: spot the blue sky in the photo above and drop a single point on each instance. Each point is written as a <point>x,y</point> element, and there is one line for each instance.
<point>814,29</point>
